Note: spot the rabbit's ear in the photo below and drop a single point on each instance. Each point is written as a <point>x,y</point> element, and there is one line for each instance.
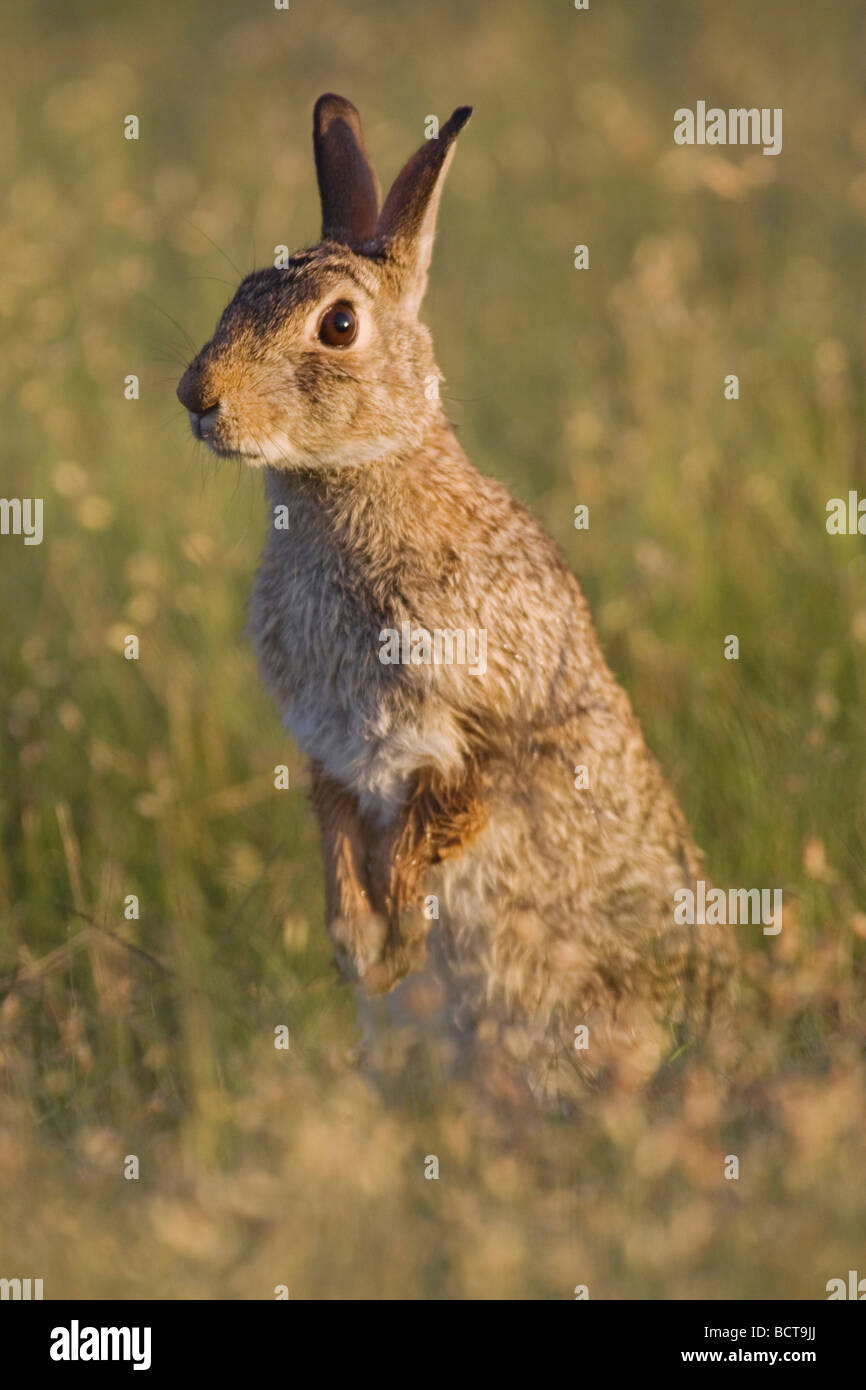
<point>348,186</point>
<point>408,219</point>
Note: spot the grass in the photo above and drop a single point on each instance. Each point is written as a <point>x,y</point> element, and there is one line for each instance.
<point>153,1035</point>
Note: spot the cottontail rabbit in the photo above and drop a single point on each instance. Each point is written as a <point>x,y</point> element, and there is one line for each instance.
<point>432,654</point>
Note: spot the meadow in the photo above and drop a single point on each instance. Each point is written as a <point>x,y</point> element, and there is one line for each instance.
<point>153,778</point>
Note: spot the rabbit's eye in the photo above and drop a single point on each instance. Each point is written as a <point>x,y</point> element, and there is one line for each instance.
<point>339,326</point>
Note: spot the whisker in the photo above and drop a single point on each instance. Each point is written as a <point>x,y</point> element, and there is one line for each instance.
<point>215,246</point>
<point>216,279</point>
<point>179,326</point>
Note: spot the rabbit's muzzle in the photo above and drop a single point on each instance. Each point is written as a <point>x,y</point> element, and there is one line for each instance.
<point>192,392</point>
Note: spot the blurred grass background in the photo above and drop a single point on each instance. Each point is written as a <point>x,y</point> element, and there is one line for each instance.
<point>155,1037</point>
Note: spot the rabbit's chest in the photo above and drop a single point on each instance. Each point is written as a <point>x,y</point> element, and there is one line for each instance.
<point>371,725</point>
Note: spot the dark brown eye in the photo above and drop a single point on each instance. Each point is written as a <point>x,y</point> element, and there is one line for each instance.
<point>339,326</point>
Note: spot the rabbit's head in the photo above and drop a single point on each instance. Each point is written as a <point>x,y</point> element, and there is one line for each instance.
<point>324,362</point>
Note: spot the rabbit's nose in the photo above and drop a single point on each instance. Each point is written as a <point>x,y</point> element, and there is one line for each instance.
<point>194,392</point>
<point>203,422</point>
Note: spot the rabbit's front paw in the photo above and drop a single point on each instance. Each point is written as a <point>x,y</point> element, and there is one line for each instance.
<point>400,959</point>
<point>359,943</point>
<point>405,952</point>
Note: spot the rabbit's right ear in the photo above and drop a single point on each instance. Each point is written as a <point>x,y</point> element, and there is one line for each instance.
<point>408,219</point>
<point>348,186</point>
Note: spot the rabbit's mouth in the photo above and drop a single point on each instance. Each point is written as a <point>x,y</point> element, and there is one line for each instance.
<point>208,426</point>
<point>216,426</point>
<point>204,423</point>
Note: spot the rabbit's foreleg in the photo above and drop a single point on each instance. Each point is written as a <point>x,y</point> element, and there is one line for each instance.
<point>439,820</point>
<point>374,883</point>
<point>358,933</point>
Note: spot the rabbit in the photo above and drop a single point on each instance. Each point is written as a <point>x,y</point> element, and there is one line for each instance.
<point>445,790</point>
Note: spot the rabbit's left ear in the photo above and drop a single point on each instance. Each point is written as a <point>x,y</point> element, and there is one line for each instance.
<point>348,186</point>
<point>408,220</point>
